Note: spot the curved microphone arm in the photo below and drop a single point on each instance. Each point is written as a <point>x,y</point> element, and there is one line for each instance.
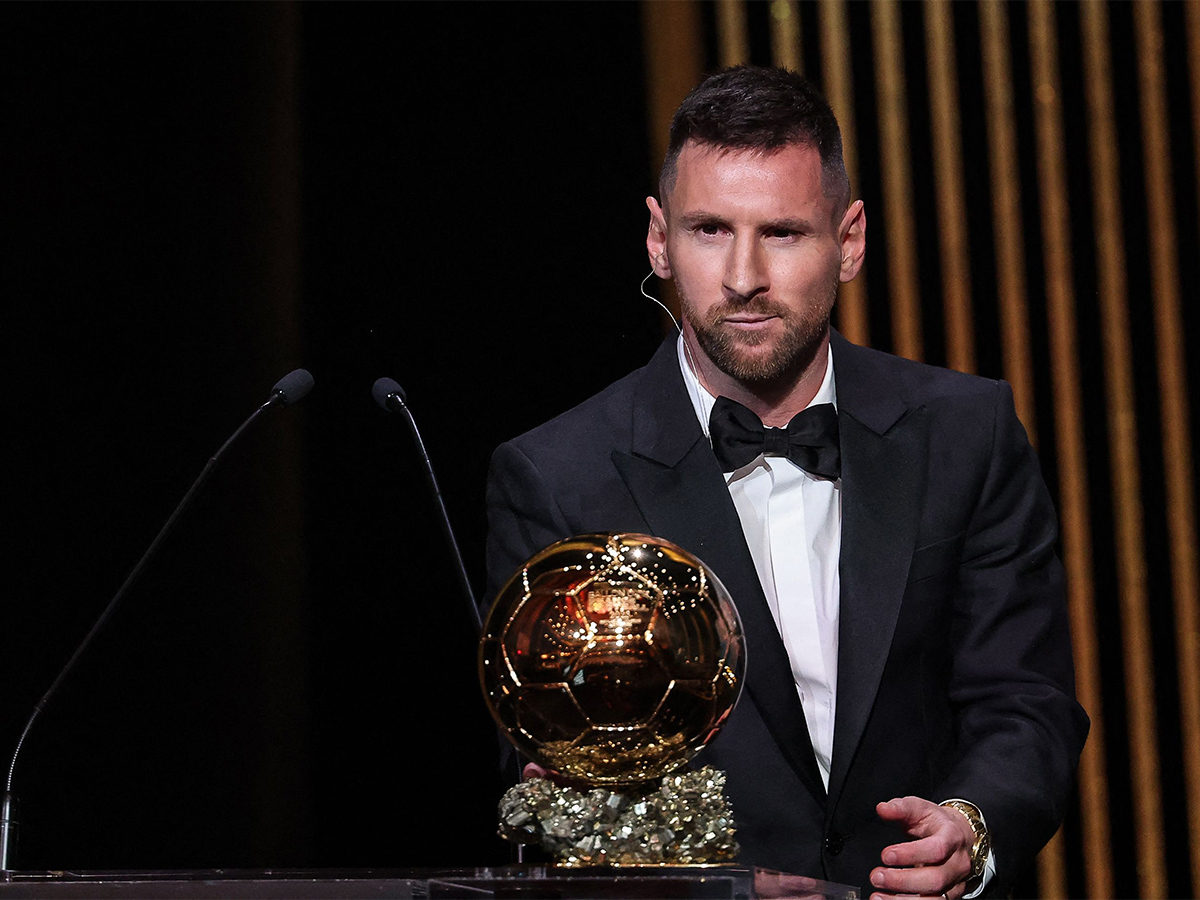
<point>290,389</point>
<point>390,396</point>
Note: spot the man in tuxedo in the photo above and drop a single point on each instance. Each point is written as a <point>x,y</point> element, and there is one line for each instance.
<point>908,720</point>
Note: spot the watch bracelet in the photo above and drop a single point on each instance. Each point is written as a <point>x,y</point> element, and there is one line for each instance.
<point>981,847</point>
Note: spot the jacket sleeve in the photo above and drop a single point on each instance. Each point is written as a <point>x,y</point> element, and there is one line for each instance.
<point>1012,687</point>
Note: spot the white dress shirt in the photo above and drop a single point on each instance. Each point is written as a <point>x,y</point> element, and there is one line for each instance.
<point>793,526</point>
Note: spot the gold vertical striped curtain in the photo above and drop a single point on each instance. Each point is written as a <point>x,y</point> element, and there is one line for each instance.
<point>1032,171</point>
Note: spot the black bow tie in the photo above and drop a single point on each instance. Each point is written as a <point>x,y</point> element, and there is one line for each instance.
<point>810,439</point>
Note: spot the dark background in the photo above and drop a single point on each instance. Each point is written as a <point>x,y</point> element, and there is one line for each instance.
<point>196,199</point>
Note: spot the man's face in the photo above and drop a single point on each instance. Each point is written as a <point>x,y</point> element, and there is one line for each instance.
<point>756,250</point>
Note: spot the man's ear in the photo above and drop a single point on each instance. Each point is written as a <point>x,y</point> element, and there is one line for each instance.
<point>656,240</point>
<point>853,239</point>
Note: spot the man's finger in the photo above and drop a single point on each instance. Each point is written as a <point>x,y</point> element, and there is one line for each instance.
<point>533,770</point>
<point>925,881</point>
<point>932,850</point>
<point>910,810</point>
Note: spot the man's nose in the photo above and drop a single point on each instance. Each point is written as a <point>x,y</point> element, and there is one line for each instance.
<point>745,269</point>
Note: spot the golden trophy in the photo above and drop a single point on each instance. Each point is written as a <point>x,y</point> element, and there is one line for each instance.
<point>611,660</point>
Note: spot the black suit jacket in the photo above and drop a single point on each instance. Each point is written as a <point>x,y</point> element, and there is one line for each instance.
<point>954,671</point>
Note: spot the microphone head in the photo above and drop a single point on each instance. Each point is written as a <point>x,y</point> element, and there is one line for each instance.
<point>384,388</point>
<point>293,387</point>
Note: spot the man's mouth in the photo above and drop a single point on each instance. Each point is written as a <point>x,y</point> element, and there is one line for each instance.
<point>745,320</point>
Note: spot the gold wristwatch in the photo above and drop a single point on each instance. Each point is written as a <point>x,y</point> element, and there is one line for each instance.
<point>982,847</point>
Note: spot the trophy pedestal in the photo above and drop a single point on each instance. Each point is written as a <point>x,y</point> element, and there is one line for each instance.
<point>685,822</point>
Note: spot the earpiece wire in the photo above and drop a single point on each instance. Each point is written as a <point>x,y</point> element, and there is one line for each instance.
<point>687,350</point>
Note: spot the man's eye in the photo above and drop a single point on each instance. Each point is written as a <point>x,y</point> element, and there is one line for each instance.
<point>710,228</point>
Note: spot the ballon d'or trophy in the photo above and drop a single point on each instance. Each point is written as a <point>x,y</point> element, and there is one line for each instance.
<point>612,660</point>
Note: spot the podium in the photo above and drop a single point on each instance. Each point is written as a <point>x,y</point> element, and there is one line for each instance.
<point>516,882</point>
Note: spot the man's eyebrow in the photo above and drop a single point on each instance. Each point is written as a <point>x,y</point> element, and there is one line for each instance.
<point>788,225</point>
<point>690,220</point>
<point>699,217</point>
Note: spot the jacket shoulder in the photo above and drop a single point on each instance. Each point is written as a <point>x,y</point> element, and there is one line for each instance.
<point>871,381</point>
<point>917,382</point>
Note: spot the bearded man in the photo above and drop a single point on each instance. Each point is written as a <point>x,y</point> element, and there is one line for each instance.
<point>909,721</point>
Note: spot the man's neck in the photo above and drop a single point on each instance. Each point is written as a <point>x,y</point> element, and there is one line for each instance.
<point>774,403</point>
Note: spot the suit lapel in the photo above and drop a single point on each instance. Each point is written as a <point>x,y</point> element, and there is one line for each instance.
<point>678,486</point>
<point>883,477</point>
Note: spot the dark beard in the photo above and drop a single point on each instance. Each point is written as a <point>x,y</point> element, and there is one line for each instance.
<point>787,361</point>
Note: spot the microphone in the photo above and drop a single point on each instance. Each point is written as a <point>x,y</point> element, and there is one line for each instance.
<point>290,389</point>
<point>391,397</point>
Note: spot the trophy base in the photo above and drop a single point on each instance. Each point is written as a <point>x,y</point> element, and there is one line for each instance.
<point>685,821</point>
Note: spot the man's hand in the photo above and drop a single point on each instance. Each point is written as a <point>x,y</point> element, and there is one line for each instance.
<point>937,863</point>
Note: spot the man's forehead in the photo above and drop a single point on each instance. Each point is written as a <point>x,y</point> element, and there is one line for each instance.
<point>789,173</point>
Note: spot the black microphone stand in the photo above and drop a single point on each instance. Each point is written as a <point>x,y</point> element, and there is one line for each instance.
<point>390,396</point>
<point>291,388</point>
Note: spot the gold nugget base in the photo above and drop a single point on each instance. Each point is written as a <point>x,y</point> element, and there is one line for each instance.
<point>686,820</point>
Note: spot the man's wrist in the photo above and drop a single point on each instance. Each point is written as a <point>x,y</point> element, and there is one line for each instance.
<point>981,847</point>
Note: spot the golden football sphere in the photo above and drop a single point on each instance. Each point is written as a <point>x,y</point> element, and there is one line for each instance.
<point>612,659</point>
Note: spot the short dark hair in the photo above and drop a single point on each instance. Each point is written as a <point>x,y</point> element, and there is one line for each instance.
<point>758,108</point>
